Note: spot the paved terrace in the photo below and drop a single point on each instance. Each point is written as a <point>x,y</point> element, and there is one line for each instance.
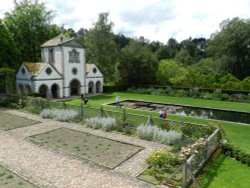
<point>47,167</point>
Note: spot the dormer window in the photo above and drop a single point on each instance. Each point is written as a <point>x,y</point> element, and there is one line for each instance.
<point>51,55</point>
<point>74,56</point>
<point>94,70</point>
<point>23,71</point>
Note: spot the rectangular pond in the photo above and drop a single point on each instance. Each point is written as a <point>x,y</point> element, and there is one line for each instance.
<point>192,111</point>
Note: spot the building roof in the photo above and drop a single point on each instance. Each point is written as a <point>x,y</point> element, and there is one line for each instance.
<point>58,40</point>
<point>89,67</point>
<point>34,68</point>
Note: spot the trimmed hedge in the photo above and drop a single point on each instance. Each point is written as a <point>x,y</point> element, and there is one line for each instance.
<point>236,153</point>
<point>124,87</point>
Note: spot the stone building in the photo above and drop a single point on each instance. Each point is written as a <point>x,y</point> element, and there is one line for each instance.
<point>62,71</point>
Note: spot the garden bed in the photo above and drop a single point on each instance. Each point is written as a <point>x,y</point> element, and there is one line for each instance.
<point>9,122</point>
<point>9,179</point>
<point>106,152</point>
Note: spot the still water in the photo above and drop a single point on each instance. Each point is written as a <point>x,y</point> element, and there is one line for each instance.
<point>242,117</point>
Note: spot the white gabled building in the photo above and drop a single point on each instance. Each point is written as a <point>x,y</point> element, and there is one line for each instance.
<point>62,72</point>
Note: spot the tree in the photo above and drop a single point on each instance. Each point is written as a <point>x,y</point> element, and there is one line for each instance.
<point>183,57</point>
<point>229,81</point>
<point>231,46</point>
<point>30,25</point>
<point>9,53</point>
<point>121,40</point>
<point>173,48</point>
<point>138,64</point>
<point>191,51</point>
<point>167,70</point>
<point>101,48</point>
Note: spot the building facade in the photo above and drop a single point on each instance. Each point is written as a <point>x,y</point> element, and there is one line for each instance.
<point>62,72</point>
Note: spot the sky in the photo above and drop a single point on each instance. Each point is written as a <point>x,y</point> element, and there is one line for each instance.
<point>155,20</point>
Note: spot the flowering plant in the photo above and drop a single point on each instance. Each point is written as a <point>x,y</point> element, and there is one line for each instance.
<point>191,149</point>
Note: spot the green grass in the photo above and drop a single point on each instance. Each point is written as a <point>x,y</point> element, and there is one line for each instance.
<point>237,106</point>
<point>237,133</point>
<point>225,172</point>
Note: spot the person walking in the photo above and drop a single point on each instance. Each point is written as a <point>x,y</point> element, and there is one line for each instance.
<point>85,99</point>
<point>117,100</point>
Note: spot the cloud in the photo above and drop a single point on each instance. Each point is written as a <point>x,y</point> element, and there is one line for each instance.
<point>153,14</point>
<point>153,19</point>
<point>6,6</point>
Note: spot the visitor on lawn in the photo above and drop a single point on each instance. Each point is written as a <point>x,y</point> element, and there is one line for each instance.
<point>117,100</point>
<point>165,114</point>
<point>161,113</point>
<point>84,98</point>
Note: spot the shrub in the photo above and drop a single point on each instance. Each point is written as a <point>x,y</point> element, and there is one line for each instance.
<point>163,163</point>
<point>158,92</point>
<point>36,105</point>
<point>237,97</point>
<point>162,158</point>
<point>149,132</point>
<point>207,96</point>
<point>105,123</point>
<point>236,153</point>
<point>224,97</point>
<point>60,114</point>
<point>181,93</point>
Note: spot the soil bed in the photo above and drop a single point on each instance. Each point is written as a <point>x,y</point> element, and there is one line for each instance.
<point>9,179</point>
<point>8,122</point>
<point>100,150</point>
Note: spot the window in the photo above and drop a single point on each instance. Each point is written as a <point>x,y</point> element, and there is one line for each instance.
<point>94,70</point>
<point>51,55</point>
<point>74,56</point>
<point>48,71</point>
<point>23,71</point>
<point>74,71</point>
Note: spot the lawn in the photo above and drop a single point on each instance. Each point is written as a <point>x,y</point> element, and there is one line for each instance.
<point>100,150</point>
<point>237,133</point>
<point>107,98</point>
<point>9,121</point>
<point>9,179</point>
<point>225,172</point>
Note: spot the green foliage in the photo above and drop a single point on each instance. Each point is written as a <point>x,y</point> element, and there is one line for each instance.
<point>236,153</point>
<point>102,113</point>
<point>9,54</point>
<point>138,65</point>
<point>230,47</point>
<point>193,92</point>
<point>123,124</point>
<point>30,25</point>
<point>163,163</point>
<point>162,158</point>
<point>36,105</point>
<point>245,84</point>
<point>167,70</point>
<point>101,48</point>
<point>7,82</point>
